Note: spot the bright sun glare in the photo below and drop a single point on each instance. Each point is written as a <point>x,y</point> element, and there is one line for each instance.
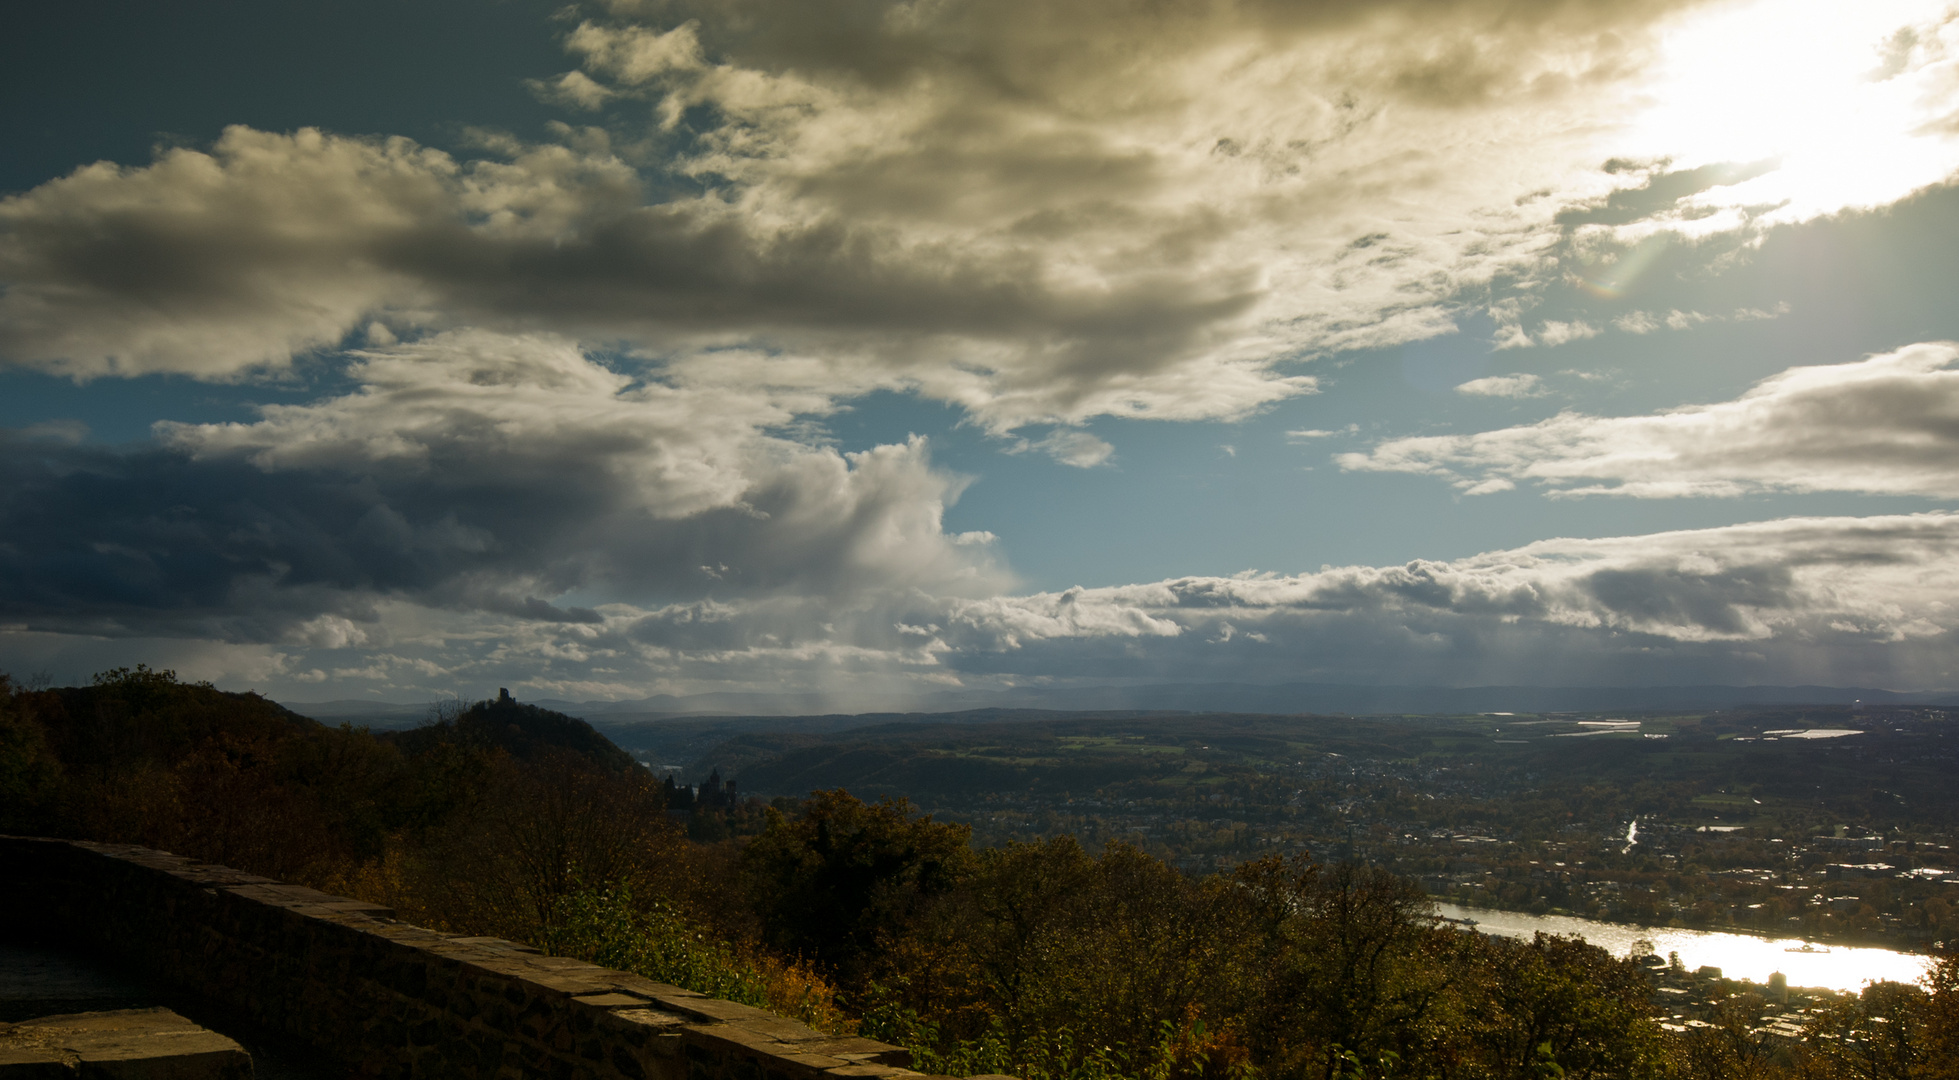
<point>1855,103</point>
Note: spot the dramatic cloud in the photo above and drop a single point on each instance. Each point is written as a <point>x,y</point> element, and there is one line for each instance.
<point>1885,579</point>
<point>504,506</point>
<point>1885,425</point>
<point>1855,601</point>
<point>1041,216</point>
<point>1829,127</point>
<point>573,432</point>
<point>471,472</point>
<point>1853,598</point>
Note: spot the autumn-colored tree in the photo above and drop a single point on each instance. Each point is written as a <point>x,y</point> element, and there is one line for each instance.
<point>1878,1035</point>
<point>30,773</point>
<point>1050,963</point>
<point>1360,975</point>
<point>843,879</point>
<point>1727,1045</point>
<point>538,832</point>
<point>1939,1040</point>
<point>1563,1002</point>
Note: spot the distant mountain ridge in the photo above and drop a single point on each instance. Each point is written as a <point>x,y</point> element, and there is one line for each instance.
<point>1331,698</point>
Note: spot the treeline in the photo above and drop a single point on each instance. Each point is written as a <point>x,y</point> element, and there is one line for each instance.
<point>1037,959</point>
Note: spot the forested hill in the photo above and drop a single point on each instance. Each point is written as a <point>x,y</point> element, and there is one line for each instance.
<point>526,732</point>
<point>137,716</point>
<point>138,756</point>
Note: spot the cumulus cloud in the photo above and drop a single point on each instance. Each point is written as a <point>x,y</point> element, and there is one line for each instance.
<point>1867,601</point>
<point>224,262</point>
<point>1875,594</point>
<point>505,508</point>
<point>469,472</point>
<point>1789,600</point>
<point>573,89</point>
<point>1637,322</point>
<point>1039,216</point>
<point>217,263</point>
<point>1888,424</point>
<point>487,506</point>
<point>1504,386</point>
<point>1739,583</point>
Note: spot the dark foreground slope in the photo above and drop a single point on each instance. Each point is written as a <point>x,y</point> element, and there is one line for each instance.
<point>130,717</point>
<point>138,756</point>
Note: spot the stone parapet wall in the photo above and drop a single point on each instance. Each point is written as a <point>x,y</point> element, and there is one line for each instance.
<point>120,1044</point>
<point>389,999</point>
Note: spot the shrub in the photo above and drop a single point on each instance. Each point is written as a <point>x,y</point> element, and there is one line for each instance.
<point>607,926</point>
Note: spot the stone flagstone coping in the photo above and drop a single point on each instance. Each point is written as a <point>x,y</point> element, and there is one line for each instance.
<point>121,1044</point>
<point>390,999</point>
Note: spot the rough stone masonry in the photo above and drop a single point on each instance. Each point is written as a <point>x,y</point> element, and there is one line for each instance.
<point>118,1044</point>
<point>392,1000</point>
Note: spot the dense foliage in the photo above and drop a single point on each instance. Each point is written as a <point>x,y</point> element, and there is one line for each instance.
<point>1041,959</point>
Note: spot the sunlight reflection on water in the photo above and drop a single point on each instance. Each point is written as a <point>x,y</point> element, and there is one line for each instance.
<point>1739,956</point>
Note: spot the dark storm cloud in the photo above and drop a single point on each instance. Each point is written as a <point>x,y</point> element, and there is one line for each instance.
<point>109,541</point>
<point>153,541</point>
<point>557,476</point>
<point>1716,603</point>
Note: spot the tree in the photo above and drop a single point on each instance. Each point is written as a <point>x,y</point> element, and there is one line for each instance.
<point>1939,1059</point>
<point>1876,1035</point>
<point>30,774</point>
<point>1561,1002</point>
<point>539,832</point>
<point>1360,974</point>
<point>1048,962</point>
<point>844,879</point>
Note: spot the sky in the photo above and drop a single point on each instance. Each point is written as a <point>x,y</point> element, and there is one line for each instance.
<point>872,350</point>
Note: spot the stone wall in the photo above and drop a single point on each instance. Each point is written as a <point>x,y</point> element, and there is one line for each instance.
<point>393,1000</point>
<point>119,1044</point>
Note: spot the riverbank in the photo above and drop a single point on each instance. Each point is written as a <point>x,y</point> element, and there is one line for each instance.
<point>1739,956</point>
<point>1820,937</point>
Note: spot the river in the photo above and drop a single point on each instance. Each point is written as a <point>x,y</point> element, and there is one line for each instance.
<point>1739,956</point>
